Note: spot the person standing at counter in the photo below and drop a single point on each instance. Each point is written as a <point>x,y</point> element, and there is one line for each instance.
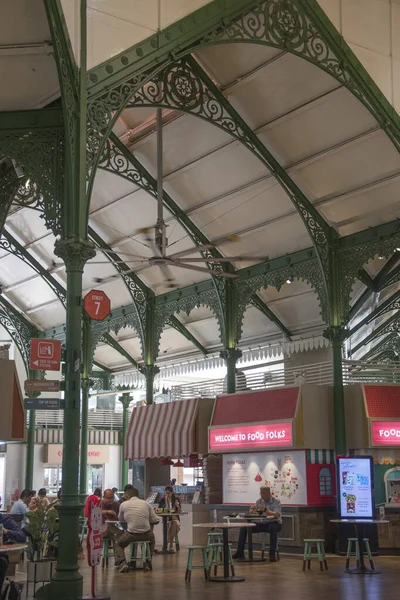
<point>171,503</point>
<point>267,506</point>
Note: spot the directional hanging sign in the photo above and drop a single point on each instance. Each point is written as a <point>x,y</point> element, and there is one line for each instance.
<point>45,355</point>
<point>41,385</point>
<point>43,404</point>
<point>97,305</point>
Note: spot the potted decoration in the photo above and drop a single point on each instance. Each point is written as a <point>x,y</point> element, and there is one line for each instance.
<point>42,543</point>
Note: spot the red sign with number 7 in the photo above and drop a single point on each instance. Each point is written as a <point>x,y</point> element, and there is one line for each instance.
<point>97,305</point>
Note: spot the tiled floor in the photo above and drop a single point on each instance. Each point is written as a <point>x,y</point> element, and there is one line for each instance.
<point>281,580</point>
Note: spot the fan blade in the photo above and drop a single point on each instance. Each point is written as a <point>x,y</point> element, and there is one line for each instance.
<point>225,259</point>
<point>210,246</point>
<point>111,251</point>
<point>205,270</point>
<point>138,270</point>
<point>114,262</point>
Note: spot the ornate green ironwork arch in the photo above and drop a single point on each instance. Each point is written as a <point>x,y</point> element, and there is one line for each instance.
<point>125,318</point>
<point>21,331</point>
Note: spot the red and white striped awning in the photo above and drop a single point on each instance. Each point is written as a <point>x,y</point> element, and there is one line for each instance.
<point>162,430</point>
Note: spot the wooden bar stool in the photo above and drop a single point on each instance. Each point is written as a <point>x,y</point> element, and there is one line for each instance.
<point>105,551</point>
<point>215,557</point>
<point>205,564</point>
<point>356,552</point>
<point>145,555</point>
<point>308,555</point>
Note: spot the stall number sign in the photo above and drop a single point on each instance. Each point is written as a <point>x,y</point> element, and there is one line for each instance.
<point>385,433</point>
<point>263,435</point>
<point>97,305</point>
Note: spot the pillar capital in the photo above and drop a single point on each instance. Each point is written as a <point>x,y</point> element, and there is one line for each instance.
<point>336,334</point>
<point>149,370</point>
<point>231,355</point>
<point>126,399</point>
<point>75,252</point>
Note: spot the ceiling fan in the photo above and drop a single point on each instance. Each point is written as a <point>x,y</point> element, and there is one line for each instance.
<point>158,241</point>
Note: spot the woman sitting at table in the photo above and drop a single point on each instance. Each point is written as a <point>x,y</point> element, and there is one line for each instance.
<point>171,502</point>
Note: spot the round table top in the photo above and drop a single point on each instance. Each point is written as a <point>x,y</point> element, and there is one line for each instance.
<point>250,516</point>
<point>7,547</point>
<point>350,521</point>
<point>170,514</point>
<point>223,525</point>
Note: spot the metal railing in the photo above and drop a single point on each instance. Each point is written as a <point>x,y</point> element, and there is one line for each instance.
<point>317,374</point>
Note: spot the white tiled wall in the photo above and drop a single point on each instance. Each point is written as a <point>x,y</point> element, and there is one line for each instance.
<point>372,30</point>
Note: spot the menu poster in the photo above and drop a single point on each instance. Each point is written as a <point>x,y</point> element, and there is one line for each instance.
<point>355,487</point>
<point>284,472</point>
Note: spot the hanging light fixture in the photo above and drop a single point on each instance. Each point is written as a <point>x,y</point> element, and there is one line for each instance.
<point>167,462</point>
<point>179,463</point>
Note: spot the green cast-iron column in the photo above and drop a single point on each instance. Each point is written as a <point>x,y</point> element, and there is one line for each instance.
<point>336,333</point>
<point>30,446</point>
<point>125,400</point>
<point>87,367</point>
<point>149,371</point>
<point>67,581</point>
<point>231,354</point>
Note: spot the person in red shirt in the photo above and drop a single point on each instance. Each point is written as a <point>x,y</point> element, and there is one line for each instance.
<point>95,498</point>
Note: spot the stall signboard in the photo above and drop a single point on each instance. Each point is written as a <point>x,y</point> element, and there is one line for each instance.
<point>284,472</point>
<point>43,403</point>
<point>385,433</point>
<point>42,385</point>
<point>97,455</point>
<point>249,437</point>
<point>45,355</point>
<point>355,487</point>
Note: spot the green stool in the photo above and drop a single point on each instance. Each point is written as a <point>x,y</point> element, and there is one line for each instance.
<point>84,528</point>
<point>177,545</point>
<point>308,555</point>
<point>265,547</point>
<point>215,557</point>
<point>105,551</point>
<point>145,555</point>
<point>356,552</point>
<point>214,537</point>
<point>205,564</point>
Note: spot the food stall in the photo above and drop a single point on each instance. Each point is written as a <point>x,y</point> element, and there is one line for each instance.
<point>159,433</point>
<point>282,438</point>
<point>373,429</point>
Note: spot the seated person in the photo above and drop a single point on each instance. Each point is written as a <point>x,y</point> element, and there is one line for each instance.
<point>140,519</point>
<point>11,532</point>
<point>171,502</point>
<point>269,506</point>
<point>110,510</point>
<point>21,506</point>
<point>125,496</point>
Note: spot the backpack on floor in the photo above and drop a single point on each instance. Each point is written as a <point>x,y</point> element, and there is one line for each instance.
<point>12,590</point>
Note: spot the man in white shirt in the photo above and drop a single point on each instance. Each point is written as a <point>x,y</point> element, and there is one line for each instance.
<point>140,519</point>
<point>20,507</point>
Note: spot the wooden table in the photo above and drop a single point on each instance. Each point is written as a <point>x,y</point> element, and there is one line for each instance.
<point>164,516</point>
<point>362,569</point>
<point>247,518</point>
<point>225,529</point>
<point>8,547</point>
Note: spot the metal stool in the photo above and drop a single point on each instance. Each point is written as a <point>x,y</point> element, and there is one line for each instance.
<point>214,537</point>
<point>308,555</point>
<point>105,551</point>
<point>356,552</point>
<point>84,528</point>
<point>145,555</point>
<point>190,567</point>
<point>215,558</point>
<point>266,547</point>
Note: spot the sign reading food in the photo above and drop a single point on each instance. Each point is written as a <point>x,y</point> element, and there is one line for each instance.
<point>241,437</point>
<point>385,433</point>
<point>355,488</point>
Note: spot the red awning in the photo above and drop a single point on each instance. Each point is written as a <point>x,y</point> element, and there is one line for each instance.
<point>256,407</point>
<point>382,401</point>
<point>162,430</point>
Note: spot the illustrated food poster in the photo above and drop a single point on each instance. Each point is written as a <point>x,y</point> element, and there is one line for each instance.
<point>355,488</point>
<point>284,472</point>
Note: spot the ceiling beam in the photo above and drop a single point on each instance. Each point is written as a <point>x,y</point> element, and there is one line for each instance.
<point>390,325</point>
<point>100,366</point>
<point>109,340</point>
<point>31,120</point>
<point>392,303</point>
<point>390,342</point>
<point>176,324</point>
<point>258,303</point>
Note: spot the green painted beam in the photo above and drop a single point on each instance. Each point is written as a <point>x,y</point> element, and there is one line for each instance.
<point>109,340</point>
<point>366,279</point>
<point>392,303</point>
<point>391,341</point>
<point>371,235</point>
<point>389,325</point>
<point>257,302</point>
<point>100,366</point>
<point>10,244</point>
<point>31,120</point>
<point>176,324</point>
